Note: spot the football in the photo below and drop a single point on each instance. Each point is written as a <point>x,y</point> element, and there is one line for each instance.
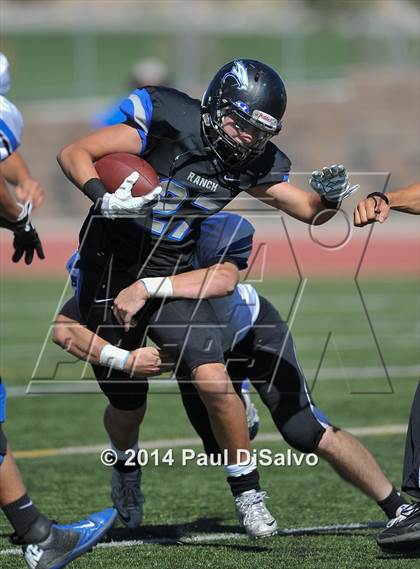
<point>113,169</point>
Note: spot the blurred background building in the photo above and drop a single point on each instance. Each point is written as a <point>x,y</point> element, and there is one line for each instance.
<point>351,69</point>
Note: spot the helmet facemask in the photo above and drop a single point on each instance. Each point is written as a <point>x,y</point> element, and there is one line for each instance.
<point>230,151</point>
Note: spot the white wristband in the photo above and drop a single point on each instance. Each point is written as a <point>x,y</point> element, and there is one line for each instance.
<point>158,287</point>
<point>113,357</point>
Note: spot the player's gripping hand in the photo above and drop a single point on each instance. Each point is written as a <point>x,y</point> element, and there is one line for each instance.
<point>332,183</point>
<point>144,362</point>
<point>374,208</point>
<point>26,240</point>
<point>122,203</point>
<point>128,302</point>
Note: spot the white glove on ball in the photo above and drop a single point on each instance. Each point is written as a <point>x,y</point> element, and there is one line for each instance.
<point>121,203</point>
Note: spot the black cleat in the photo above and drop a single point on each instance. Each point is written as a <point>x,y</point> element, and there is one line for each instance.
<point>402,534</point>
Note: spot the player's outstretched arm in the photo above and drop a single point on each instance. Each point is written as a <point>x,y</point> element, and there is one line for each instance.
<point>9,208</point>
<point>331,186</point>
<point>16,171</point>
<point>76,339</point>
<point>376,206</point>
<point>301,205</point>
<point>406,199</point>
<point>216,281</point>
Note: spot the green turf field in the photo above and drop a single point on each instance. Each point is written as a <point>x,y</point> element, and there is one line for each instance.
<point>85,63</point>
<point>183,502</point>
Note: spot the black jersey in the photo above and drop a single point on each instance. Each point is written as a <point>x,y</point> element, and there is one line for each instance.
<point>196,185</point>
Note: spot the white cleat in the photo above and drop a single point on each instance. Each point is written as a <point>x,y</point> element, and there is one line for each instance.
<point>254,515</point>
<point>127,497</point>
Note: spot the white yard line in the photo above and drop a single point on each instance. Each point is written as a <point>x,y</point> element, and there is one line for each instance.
<point>375,430</point>
<point>211,537</point>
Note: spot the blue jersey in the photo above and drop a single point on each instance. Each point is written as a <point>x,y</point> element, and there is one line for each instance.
<point>228,237</point>
<point>11,126</point>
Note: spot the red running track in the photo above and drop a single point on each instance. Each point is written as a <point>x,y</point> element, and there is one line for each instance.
<point>272,257</point>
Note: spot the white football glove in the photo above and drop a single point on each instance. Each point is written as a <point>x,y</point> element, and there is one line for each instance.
<point>121,203</point>
<point>332,183</point>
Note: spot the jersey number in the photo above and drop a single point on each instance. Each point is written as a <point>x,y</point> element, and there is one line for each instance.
<point>175,196</point>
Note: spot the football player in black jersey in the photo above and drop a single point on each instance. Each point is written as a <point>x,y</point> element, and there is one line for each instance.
<point>205,154</point>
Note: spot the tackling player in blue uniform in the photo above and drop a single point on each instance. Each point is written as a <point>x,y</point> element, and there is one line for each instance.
<point>46,544</point>
<point>257,344</point>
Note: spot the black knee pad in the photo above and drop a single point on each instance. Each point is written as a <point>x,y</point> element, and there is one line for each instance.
<point>303,436</point>
<point>294,413</point>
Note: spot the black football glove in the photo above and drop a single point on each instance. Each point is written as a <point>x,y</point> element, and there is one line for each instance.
<point>26,239</point>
